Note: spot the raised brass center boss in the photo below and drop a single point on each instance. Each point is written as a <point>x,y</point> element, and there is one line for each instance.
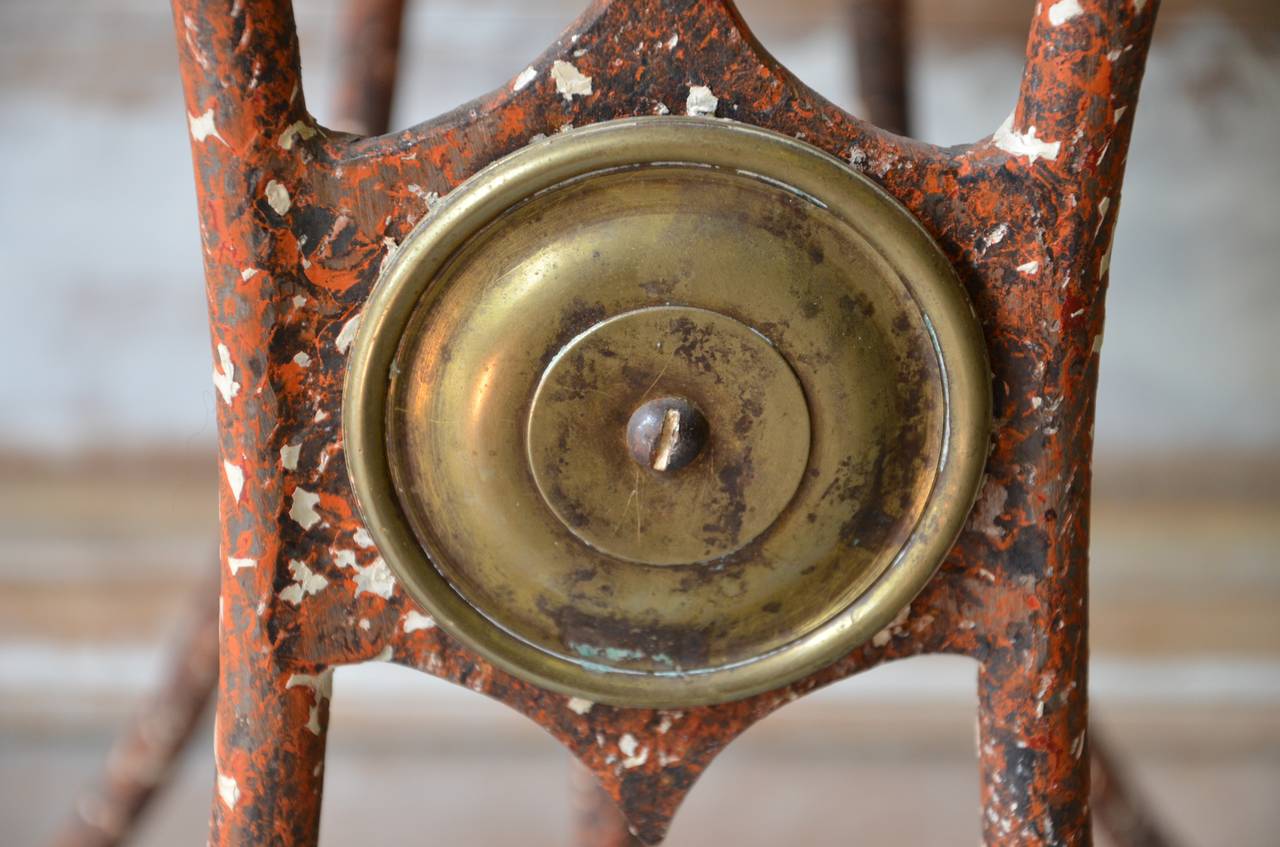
<point>666,411</point>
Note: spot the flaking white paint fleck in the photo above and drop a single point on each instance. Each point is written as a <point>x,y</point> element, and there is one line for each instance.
<point>570,82</point>
<point>988,508</point>
<point>631,749</point>
<point>1025,143</point>
<point>1063,11</point>
<point>321,685</point>
<point>362,537</point>
<point>375,579</point>
<point>301,359</point>
<point>995,236</point>
<point>277,197</point>
<point>580,705</point>
<point>235,479</point>
<point>228,790</point>
<point>347,334</point>
<point>525,77</point>
<point>302,508</point>
<point>415,621</point>
<point>305,582</point>
<point>882,637</point>
<point>1029,268</point>
<point>296,130</point>
<point>289,456</point>
<point>248,274</point>
<point>672,42</point>
<point>224,375</point>
<point>202,127</point>
<point>236,564</point>
<point>701,102</point>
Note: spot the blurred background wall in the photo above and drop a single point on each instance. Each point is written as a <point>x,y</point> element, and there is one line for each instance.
<point>107,478</point>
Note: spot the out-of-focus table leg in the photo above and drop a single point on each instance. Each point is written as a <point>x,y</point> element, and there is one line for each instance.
<point>142,757</point>
<point>597,821</point>
<point>880,57</point>
<point>367,63</point>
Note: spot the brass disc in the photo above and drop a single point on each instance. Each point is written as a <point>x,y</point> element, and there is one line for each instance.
<point>666,411</point>
<point>758,436</point>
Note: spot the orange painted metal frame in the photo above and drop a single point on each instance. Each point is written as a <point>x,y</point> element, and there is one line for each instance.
<point>296,221</point>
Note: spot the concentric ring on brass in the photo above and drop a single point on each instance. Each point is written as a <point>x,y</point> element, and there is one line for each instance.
<point>758,439</point>
<point>752,227</point>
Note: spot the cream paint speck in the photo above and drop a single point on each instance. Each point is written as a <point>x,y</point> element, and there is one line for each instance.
<point>415,621</point>
<point>236,565</point>
<point>375,579</point>
<point>347,334</point>
<point>305,582</point>
<point>995,236</point>
<point>202,127</point>
<point>1063,11</point>
<point>579,705</point>
<point>235,479</point>
<point>302,508</point>
<point>1025,143</point>
<point>631,749</point>
<point>277,197</point>
<point>570,82</point>
<point>301,359</point>
<point>228,790</point>
<point>362,537</point>
<point>1029,268</point>
<point>525,77</point>
<point>248,274</point>
<point>224,375</point>
<point>289,456</point>
<point>701,102</point>
<point>321,685</point>
<point>295,130</point>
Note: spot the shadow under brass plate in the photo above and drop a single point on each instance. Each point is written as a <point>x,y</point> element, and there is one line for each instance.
<point>666,411</point>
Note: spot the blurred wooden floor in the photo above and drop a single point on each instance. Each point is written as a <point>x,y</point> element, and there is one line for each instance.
<point>100,556</point>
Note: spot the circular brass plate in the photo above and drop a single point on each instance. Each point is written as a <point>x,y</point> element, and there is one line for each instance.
<point>812,324</point>
<point>756,454</point>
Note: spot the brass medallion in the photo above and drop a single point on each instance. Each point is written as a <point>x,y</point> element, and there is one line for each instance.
<point>666,411</point>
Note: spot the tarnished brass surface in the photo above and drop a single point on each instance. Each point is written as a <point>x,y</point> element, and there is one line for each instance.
<point>805,329</point>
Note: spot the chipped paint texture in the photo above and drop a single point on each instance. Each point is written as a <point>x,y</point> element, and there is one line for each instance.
<point>302,508</point>
<point>415,621</point>
<point>277,197</point>
<point>237,564</point>
<point>570,82</point>
<point>202,127</point>
<point>1025,143</point>
<point>1063,11</point>
<point>235,479</point>
<point>700,102</point>
<point>224,375</point>
<point>228,790</point>
<point>525,77</point>
<point>1011,594</point>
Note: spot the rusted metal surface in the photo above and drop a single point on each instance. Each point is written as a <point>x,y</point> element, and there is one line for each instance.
<point>143,756</point>
<point>367,65</point>
<point>296,222</point>
<point>879,32</point>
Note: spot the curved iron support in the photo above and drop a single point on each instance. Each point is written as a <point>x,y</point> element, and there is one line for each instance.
<point>296,222</point>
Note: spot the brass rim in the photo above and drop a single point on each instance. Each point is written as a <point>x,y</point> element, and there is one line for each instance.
<point>955,337</point>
